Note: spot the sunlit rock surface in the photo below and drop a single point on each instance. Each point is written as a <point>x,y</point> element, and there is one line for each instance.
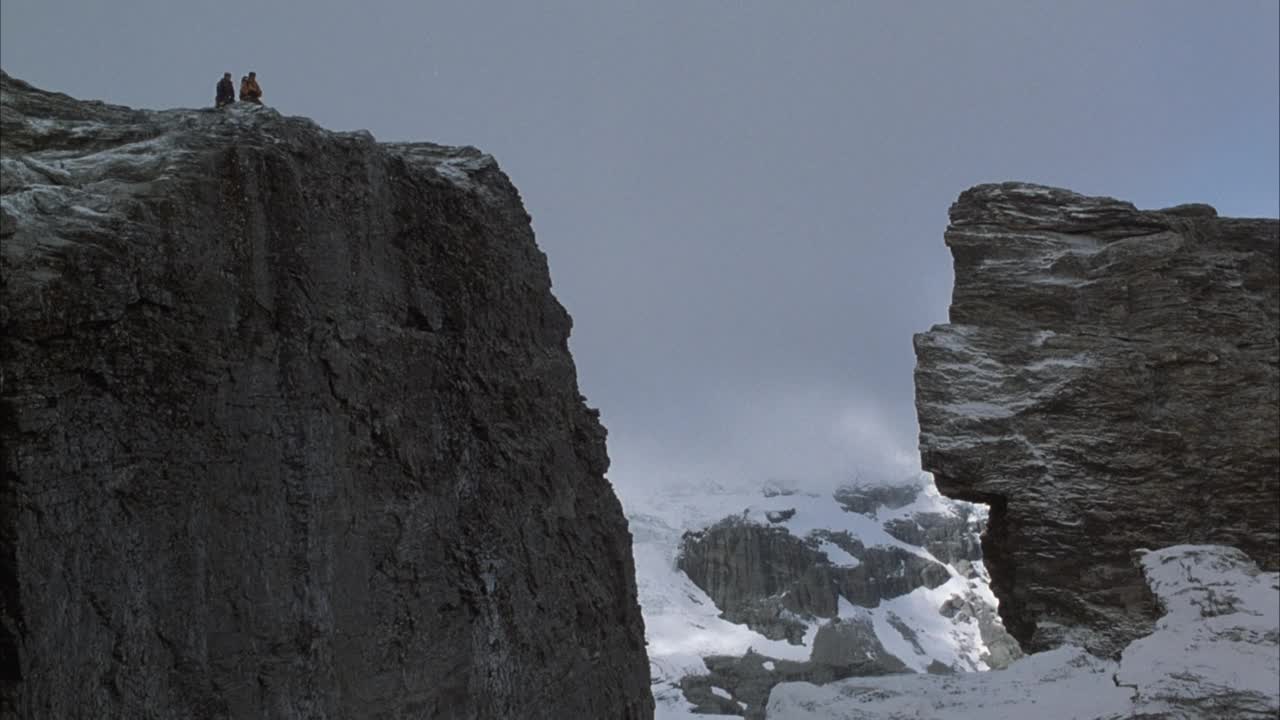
<point>291,430</point>
<point>1215,653</point>
<point>1110,380</point>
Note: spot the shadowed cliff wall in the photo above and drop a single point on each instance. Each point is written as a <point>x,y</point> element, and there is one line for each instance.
<point>291,430</point>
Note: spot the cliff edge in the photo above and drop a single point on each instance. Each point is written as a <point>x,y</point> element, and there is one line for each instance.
<point>1109,382</point>
<point>291,430</point>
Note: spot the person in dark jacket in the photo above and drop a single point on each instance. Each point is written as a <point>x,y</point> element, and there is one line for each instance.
<point>250,91</point>
<point>226,91</point>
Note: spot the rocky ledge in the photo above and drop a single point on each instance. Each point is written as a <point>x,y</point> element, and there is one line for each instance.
<point>1110,380</point>
<point>291,430</point>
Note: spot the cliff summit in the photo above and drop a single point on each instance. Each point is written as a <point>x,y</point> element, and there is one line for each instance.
<point>291,430</point>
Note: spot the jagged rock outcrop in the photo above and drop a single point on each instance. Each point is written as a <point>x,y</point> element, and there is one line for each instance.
<point>1109,381</point>
<point>763,577</point>
<point>851,646</point>
<point>291,430</point>
<point>950,538</point>
<point>770,580</point>
<point>866,499</point>
<point>893,607</point>
<point>1002,648</point>
<point>842,649</point>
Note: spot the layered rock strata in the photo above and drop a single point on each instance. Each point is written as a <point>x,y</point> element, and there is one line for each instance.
<point>1110,380</point>
<point>291,430</point>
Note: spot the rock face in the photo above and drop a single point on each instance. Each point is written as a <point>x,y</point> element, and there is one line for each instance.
<point>771,580</point>
<point>824,592</point>
<point>291,430</point>
<point>866,499</point>
<point>763,577</point>
<point>1109,381</point>
<point>950,538</point>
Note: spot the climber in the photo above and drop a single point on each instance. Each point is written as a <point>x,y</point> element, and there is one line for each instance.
<point>250,91</point>
<point>226,91</point>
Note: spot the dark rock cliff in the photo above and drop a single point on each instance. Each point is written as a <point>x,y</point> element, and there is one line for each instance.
<point>1110,381</point>
<point>291,430</point>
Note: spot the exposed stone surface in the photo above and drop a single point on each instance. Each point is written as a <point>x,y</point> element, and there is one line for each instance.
<point>777,516</point>
<point>841,649</point>
<point>1002,649</point>
<point>887,572</point>
<point>866,499</point>
<point>759,576</point>
<point>950,538</point>
<point>851,645</point>
<point>291,430</point>
<point>701,654</point>
<point>747,680</point>
<point>769,579</point>
<point>1110,380</point>
<point>1215,653</point>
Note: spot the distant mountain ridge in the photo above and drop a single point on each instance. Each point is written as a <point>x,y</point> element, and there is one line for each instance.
<point>801,585</point>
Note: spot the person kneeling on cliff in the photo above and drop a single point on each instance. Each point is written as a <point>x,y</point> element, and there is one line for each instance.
<point>250,90</point>
<point>226,91</point>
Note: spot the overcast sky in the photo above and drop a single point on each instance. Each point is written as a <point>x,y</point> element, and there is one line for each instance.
<point>742,202</point>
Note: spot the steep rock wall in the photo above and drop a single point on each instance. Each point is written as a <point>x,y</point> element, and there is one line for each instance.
<point>291,430</point>
<point>768,579</point>
<point>1109,381</point>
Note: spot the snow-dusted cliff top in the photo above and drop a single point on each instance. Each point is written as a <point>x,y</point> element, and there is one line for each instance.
<point>291,429</point>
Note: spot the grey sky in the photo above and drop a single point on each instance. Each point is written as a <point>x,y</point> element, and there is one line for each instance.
<point>743,203</point>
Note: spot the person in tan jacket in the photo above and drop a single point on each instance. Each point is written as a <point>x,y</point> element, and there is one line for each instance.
<point>250,91</point>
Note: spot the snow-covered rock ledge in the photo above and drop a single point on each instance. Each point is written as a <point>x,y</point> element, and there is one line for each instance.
<point>1215,653</point>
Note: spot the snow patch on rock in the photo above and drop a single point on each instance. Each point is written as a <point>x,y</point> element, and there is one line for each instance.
<point>683,625</point>
<point>1215,653</point>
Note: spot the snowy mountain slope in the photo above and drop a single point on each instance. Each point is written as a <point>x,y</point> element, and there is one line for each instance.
<point>926,628</point>
<point>1214,654</point>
